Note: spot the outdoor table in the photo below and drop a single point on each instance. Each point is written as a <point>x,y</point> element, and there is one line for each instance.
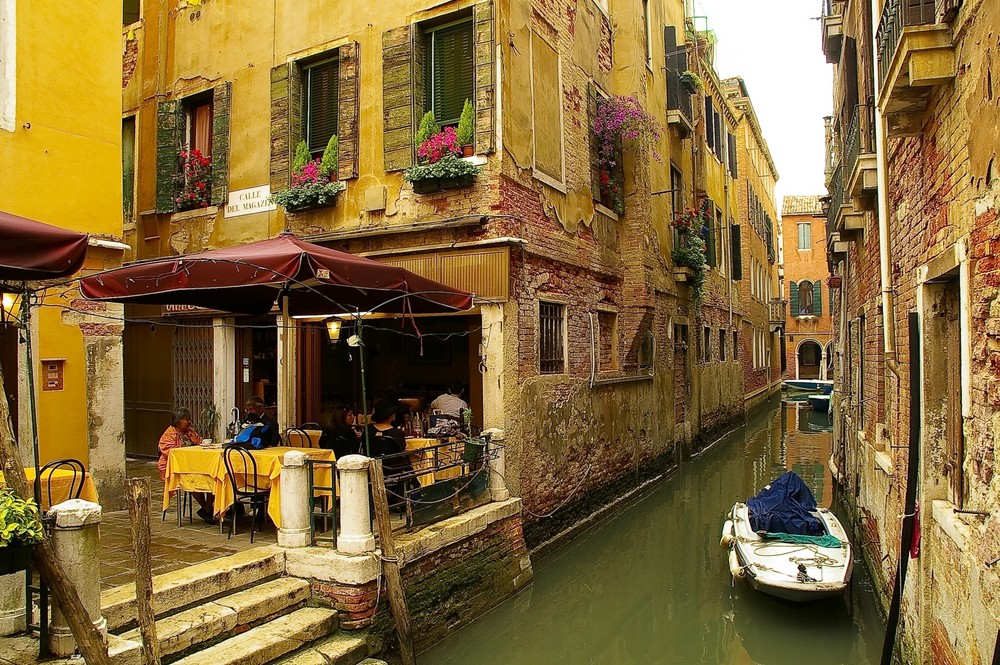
<point>61,481</point>
<point>202,469</point>
<point>422,453</point>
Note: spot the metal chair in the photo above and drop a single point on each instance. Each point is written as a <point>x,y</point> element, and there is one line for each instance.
<point>241,468</point>
<point>298,437</point>
<point>78,470</point>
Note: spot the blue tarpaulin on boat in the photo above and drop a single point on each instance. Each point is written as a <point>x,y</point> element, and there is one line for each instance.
<point>784,506</point>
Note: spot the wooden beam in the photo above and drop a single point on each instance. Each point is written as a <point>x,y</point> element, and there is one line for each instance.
<point>137,496</point>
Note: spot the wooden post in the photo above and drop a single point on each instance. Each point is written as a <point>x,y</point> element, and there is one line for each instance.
<point>137,496</point>
<point>393,580</point>
<point>87,637</point>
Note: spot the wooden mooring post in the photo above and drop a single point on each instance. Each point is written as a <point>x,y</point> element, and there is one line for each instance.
<point>137,495</point>
<point>87,637</point>
<point>393,580</point>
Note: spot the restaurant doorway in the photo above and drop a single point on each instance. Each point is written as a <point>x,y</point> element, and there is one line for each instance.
<point>8,361</point>
<point>148,369</point>
<point>398,363</point>
<point>257,362</point>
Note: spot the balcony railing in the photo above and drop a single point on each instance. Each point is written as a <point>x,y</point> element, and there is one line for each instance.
<point>678,99</point>
<point>777,308</point>
<point>836,196</point>
<point>896,15</point>
<point>860,136</point>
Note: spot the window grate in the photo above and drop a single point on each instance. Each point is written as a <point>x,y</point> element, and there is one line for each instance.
<point>551,354</point>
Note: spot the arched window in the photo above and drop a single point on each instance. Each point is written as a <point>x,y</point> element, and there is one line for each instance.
<point>806,298</point>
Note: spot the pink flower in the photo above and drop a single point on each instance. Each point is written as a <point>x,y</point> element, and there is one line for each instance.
<point>439,145</point>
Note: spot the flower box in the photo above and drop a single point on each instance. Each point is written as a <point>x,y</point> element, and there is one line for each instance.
<point>449,172</point>
<point>834,281</point>
<point>15,558</point>
<point>461,182</point>
<point>427,186</point>
<point>307,196</point>
<point>683,273</point>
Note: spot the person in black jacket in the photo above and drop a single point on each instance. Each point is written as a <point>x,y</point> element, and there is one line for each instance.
<point>386,439</point>
<point>340,436</point>
<point>254,413</point>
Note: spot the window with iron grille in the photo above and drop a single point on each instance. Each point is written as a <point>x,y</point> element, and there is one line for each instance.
<point>321,88</point>
<point>450,70</point>
<point>551,345</point>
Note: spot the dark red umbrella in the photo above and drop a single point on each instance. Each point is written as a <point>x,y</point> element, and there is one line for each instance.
<point>32,250</point>
<point>248,279</point>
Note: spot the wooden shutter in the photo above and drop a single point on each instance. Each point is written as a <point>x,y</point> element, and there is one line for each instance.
<point>736,251</point>
<point>793,300</point>
<point>169,129</point>
<point>321,83</point>
<point>710,122</point>
<point>347,122</point>
<point>221,107</point>
<point>397,98</point>
<point>708,215</point>
<point>818,297</point>
<point>731,142</point>
<point>485,40</point>
<point>286,121</point>
<point>451,77</point>
<point>595,172</point>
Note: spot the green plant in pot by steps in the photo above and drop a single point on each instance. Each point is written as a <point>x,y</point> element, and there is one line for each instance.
<point>20,530</point>
<point>466,130</point>
<point>210,419</point>
<point>314,181</point>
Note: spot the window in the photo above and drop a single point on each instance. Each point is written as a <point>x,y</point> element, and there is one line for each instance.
<point>321,90</point>
<point>710,116</point>
<point>805,298</point>
<point>648,33</point>
<point>720,241</point>
<point>128,168</point>
<point>736,346</point>
<point>130,11</point>
<point>676,197</point>
<point>198,126</point>
<point>547,121</point>
<point>551,348</point>
<point>722,344</point>
<point>805,235</point>
<point>607,325</point>
<point>647,351</point>
<point>449,70</point>
<point>707,339</point>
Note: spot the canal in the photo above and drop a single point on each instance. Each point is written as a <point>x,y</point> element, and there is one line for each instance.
<point>651,584</point>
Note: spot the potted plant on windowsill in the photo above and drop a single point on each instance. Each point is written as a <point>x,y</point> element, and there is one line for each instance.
<point>620,121</point>
<point>466,130</point>
<point>314,181</point>
<point>690,252</point>
<point>193,182</point>
<point>20,531</point>
<point>441,166</point>
<point>691,82</point>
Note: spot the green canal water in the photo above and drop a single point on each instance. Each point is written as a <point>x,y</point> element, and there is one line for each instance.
<point>651,585</point>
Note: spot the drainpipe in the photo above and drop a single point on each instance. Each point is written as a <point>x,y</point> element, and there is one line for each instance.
<point>885,259</point>
<point>593,358</point>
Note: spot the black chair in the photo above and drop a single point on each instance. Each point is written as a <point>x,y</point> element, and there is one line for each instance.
<point>310,425</point>
<point>297,437</point>
<point>241,468</point>
<point>78,470</point>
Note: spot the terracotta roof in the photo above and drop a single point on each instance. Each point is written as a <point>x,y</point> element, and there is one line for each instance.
<point>801,205</point>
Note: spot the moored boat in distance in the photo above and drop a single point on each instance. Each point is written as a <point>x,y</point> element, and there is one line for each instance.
<point>808,385</point>
<point>819,402</point>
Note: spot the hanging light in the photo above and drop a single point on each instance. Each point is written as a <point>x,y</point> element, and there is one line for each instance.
<point>333,329</point>
<point>7,303</point>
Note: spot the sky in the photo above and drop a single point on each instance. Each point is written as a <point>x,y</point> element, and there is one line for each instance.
<point>775,46</point>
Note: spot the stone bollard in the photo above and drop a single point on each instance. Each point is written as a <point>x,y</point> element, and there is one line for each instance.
<point>498,483</point>
<point>294,529</point>
<point>355,515</point>
<point>76,542</point>
<point>12,616</point>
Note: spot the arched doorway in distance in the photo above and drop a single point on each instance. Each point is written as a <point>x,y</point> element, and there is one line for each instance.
<point>808,357</point>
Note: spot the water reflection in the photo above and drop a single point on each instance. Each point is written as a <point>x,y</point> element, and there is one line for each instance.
<point>652,585</point>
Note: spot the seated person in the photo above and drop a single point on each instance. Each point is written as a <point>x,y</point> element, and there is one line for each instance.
<point>385,439</point>
<point>451,402</point>
<point>177,435</point>
<point>255,414</point>
<point>340,436</point>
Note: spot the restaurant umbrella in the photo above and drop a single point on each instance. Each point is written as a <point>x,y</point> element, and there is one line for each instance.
<point>301,278</point>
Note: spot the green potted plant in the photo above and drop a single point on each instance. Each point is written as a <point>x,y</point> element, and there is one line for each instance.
<point>210,419</point>
<point>314,181</point>
<point>467,129</point>
<point>690,251</point>
<point>440,165</point>
<point>20,531</point>
<point>692,82</point>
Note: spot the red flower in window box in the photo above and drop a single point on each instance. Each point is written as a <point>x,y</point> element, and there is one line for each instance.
<point>193,181</point>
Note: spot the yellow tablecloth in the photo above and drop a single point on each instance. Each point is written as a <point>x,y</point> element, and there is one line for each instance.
<point>200,469</point>
<point>422,457</point>
<point>61,481</point>
<point>294,438</point>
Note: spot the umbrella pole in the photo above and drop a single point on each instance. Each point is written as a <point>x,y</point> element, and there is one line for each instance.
<point>26,322</point>
<point>364,396</point>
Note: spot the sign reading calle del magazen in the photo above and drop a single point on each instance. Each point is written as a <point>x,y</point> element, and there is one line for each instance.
<point>247,201</point>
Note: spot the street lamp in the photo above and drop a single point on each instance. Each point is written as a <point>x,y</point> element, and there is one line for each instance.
<point>333,329</point>
<point>7,303</point>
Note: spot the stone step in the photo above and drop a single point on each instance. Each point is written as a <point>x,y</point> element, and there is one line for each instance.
<point>269,641</point>
<point>340,649</point>
<point>191,585</point>
<point>207,622</point>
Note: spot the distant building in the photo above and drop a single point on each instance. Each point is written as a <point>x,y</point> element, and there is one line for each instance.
<point>809,333</point>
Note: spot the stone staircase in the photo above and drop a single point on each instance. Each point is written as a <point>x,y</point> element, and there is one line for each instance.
<point>236,610</point>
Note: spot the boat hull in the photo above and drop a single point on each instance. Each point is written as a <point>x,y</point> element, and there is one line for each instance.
<point>819,402</point>
<point>772,567</point>
<point>808,385</point>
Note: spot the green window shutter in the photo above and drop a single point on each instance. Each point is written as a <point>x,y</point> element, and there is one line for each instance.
<point>818,297</point>
<point>286,121</point>
<point>347,121</point>
<point>169,129</point>
<point>793,300</point>
<point>485,82</point>
<point>221,106</point>
<point>397,98</point>
<point>595,172</point>
<point>320,84</point>
<point>450,76</point>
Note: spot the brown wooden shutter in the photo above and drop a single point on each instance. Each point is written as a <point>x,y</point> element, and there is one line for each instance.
<point>485,85</point>
<point>595,172</point>
<point>169,129</point>
<point>397,97</point>
<point>286,121</point>
<point>221,107</point>
<point>347,121</point>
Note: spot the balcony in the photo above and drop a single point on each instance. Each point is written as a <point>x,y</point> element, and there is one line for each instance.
<point>777,308</point>
<point>860,163</point>
<point>914,55</point>
<point>836,246</point>
<point>679,110</point>
<point>841,215</point>
<point>833,30</point>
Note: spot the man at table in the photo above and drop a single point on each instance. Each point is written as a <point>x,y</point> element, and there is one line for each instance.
<point>255,414</point>
<point>451,402</point>
<point>180,434</point>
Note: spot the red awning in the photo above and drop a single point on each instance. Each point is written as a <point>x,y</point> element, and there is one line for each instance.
<point>248,279</point>
<point>32,250</point>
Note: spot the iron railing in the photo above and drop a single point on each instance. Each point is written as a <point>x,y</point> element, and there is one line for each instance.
<point>897,15</point>
<point>325,508</point>
<point>836,196</point>
<point>860,137</point>
<point>832,8</point>
<point>678,99</point>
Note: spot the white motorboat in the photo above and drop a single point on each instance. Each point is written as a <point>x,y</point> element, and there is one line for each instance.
<point>796,568</point>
